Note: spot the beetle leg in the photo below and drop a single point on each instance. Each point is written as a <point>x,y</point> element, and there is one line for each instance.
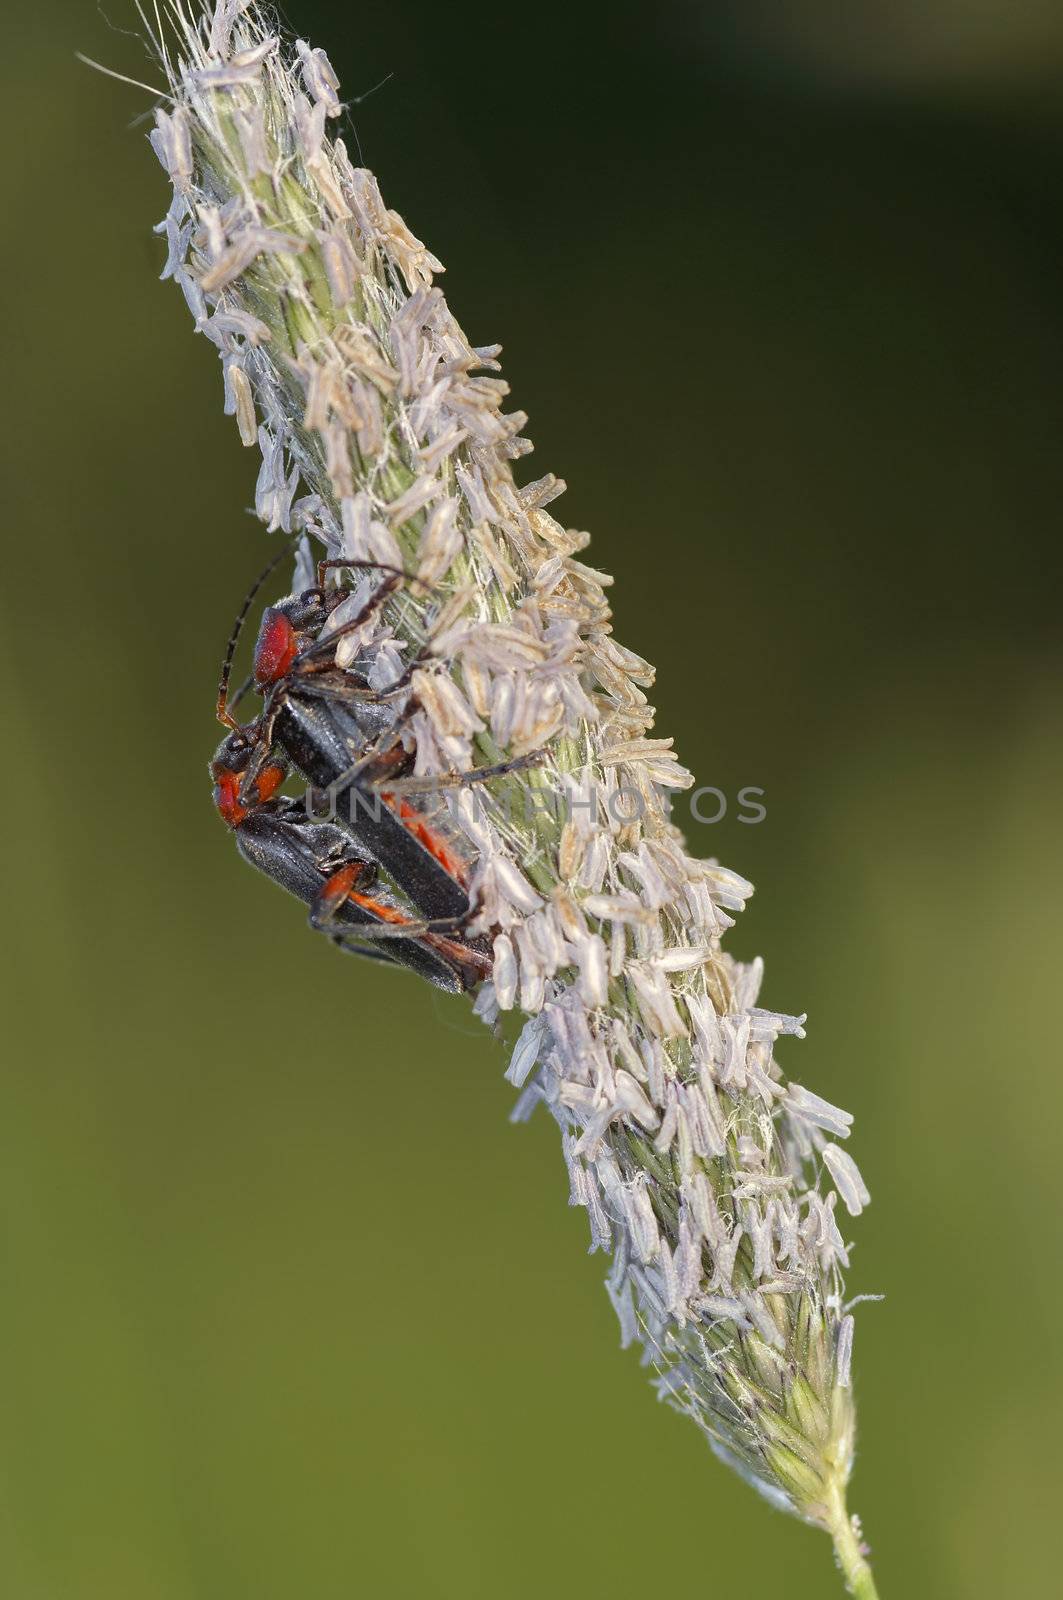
<point>457,780</point>
<point>341,887</point>
<point>326,640</point>
<point>346,562</point>
<point>371,952</point>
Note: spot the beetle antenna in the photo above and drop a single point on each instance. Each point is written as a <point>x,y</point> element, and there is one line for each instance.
<point>248,684</point>
<point>225,716</point>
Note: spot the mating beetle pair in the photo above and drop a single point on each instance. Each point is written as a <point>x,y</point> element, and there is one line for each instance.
<point>328,726</point>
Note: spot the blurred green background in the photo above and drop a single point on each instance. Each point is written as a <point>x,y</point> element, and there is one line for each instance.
<point>289,1309</point>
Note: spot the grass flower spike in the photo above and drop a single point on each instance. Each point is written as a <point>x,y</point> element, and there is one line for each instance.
<point>711,1181</point>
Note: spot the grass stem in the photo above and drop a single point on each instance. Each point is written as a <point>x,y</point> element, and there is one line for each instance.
<point>859,1579</point>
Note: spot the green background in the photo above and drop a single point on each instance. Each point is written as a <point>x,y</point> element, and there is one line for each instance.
<point>288,1308</point>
